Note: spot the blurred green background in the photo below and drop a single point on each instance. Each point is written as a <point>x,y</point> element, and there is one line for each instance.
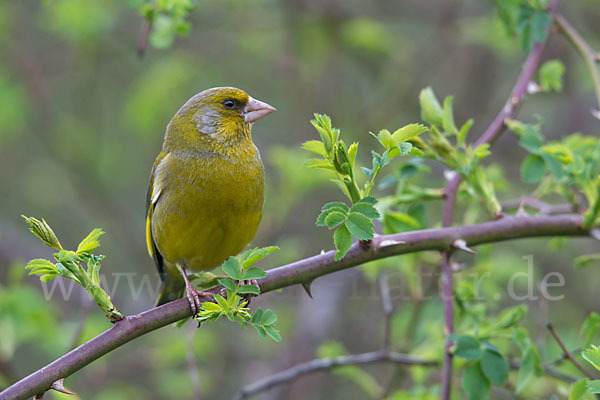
<point>82,118</point>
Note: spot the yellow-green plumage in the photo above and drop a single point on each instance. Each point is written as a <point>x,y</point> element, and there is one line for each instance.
<point>206,191</point>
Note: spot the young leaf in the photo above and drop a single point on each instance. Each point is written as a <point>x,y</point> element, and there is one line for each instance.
<point>252,256</point>
<point>594,387</point>
<point>365,209</point>
<point>90,243</point>
<point>461,137</point>
<point>466,346</point>
<point>494,366</point>
<point>592,355</point>
<point>254,273</point>
<point>42,230</point>
<point>360,226</point>
<point>448,117</point>
<point>232,267</point>
<point>316,147</point>
<point>251,289</point>
<point>475,383</point>
<point>551,75</point>
<point>431,110</point>
<point>222,302</point>
<point>589,329</point>
<point>342,240</point>
<point>268,318</point>
<point>227,283</point>
<point>408,132</point>
<point>578,390</point>
<point>334,219</point>
<point>335,204</point>
<point>210,306</point>
<point>533,169</point>
<point>273,333</point>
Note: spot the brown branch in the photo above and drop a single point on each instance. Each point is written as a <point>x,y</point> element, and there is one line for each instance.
<point>388,309</point>
<point>539,205</point>
<point>324,364</point>
<point>567,354</point>
<point>298,272</point>
<point>488,137</point>
<point>585,50</point>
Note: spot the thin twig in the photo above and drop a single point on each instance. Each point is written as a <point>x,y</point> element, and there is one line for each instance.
<point>388,308</point>
<point>448,300</point>
<point>539,205</point>
<point>323,364</point>
<point>567,353</point>
<point>298,272</point>
<point>143,39</point>
<point>585,50</point>
<point>488,137</point>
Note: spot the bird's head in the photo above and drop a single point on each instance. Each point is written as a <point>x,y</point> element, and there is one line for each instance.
<point>221,115</point>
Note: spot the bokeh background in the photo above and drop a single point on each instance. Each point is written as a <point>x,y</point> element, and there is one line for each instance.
<point>82,118</point>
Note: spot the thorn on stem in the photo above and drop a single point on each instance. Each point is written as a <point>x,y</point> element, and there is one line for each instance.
<point>595,233</point>
<point>462,245</point>
<point>306,286</point>
<point>595,113</point>
<point>59,386</point>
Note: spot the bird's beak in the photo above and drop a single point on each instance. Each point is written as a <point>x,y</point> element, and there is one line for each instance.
<point>255,110</point>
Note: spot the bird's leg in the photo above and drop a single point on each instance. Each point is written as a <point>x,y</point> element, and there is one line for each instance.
<point>193,294</point>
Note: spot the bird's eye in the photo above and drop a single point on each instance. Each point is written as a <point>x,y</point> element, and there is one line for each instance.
<point>229,103</point>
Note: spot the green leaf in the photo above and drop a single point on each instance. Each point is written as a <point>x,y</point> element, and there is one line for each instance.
<point>252,256</point>
<point>551,75</point>
<point>592,355</point>
<point>221,302</point>
<point>589,329</point>
<point>316,147</point>
<point>257,315</point>
<point>540,22</point>
<point>431,110</point>
<point>227,283</point>
<point>494,366</point>
<point>210,306</point>
<point>268,317</point>
<point>232,267</point>
<point>369,200</point>
<point>352,150</point>
<point>42,230</point>
<point>474,383</point>
<point>533,168</point>
<point>448,117</point>
<point>261,331</point>
<point>335,204</point>
<point>594,387</point>
<point>251,289</point>
<point>360,226</point>
<point>511,316</point>
<point>273,333</point>
<point>408,132</point>
<point>334,218</point>
<point>318,163</point>
<point>530,360</point>
<point>554,165</point>
<point>254,273</point>
<point>461,137</point>
<point>387,141</point>
<point>466,346</point>
<point>365,209</point>
<point>90,243</point>
<point>578,390</point>
<point>342,240</point>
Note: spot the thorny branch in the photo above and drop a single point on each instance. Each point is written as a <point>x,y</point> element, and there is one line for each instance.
<point>305,270</point>
<point>488,137</point>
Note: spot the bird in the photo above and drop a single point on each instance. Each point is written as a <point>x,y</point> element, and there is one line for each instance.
<point>206,191</point>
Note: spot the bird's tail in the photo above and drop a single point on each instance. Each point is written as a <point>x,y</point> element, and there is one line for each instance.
<point>173,285</point>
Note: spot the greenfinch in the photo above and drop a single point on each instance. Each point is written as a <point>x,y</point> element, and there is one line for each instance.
<point>206,191</point>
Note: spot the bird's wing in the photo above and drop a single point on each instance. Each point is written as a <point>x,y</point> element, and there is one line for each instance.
<point>154,192</point>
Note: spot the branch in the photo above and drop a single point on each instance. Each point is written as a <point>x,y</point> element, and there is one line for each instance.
<point>323,364</point>
<point>539,205</point>
<point>585,50</point>
<point>489,136</point>
<point>298,272</point>
<point>567,354</point>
